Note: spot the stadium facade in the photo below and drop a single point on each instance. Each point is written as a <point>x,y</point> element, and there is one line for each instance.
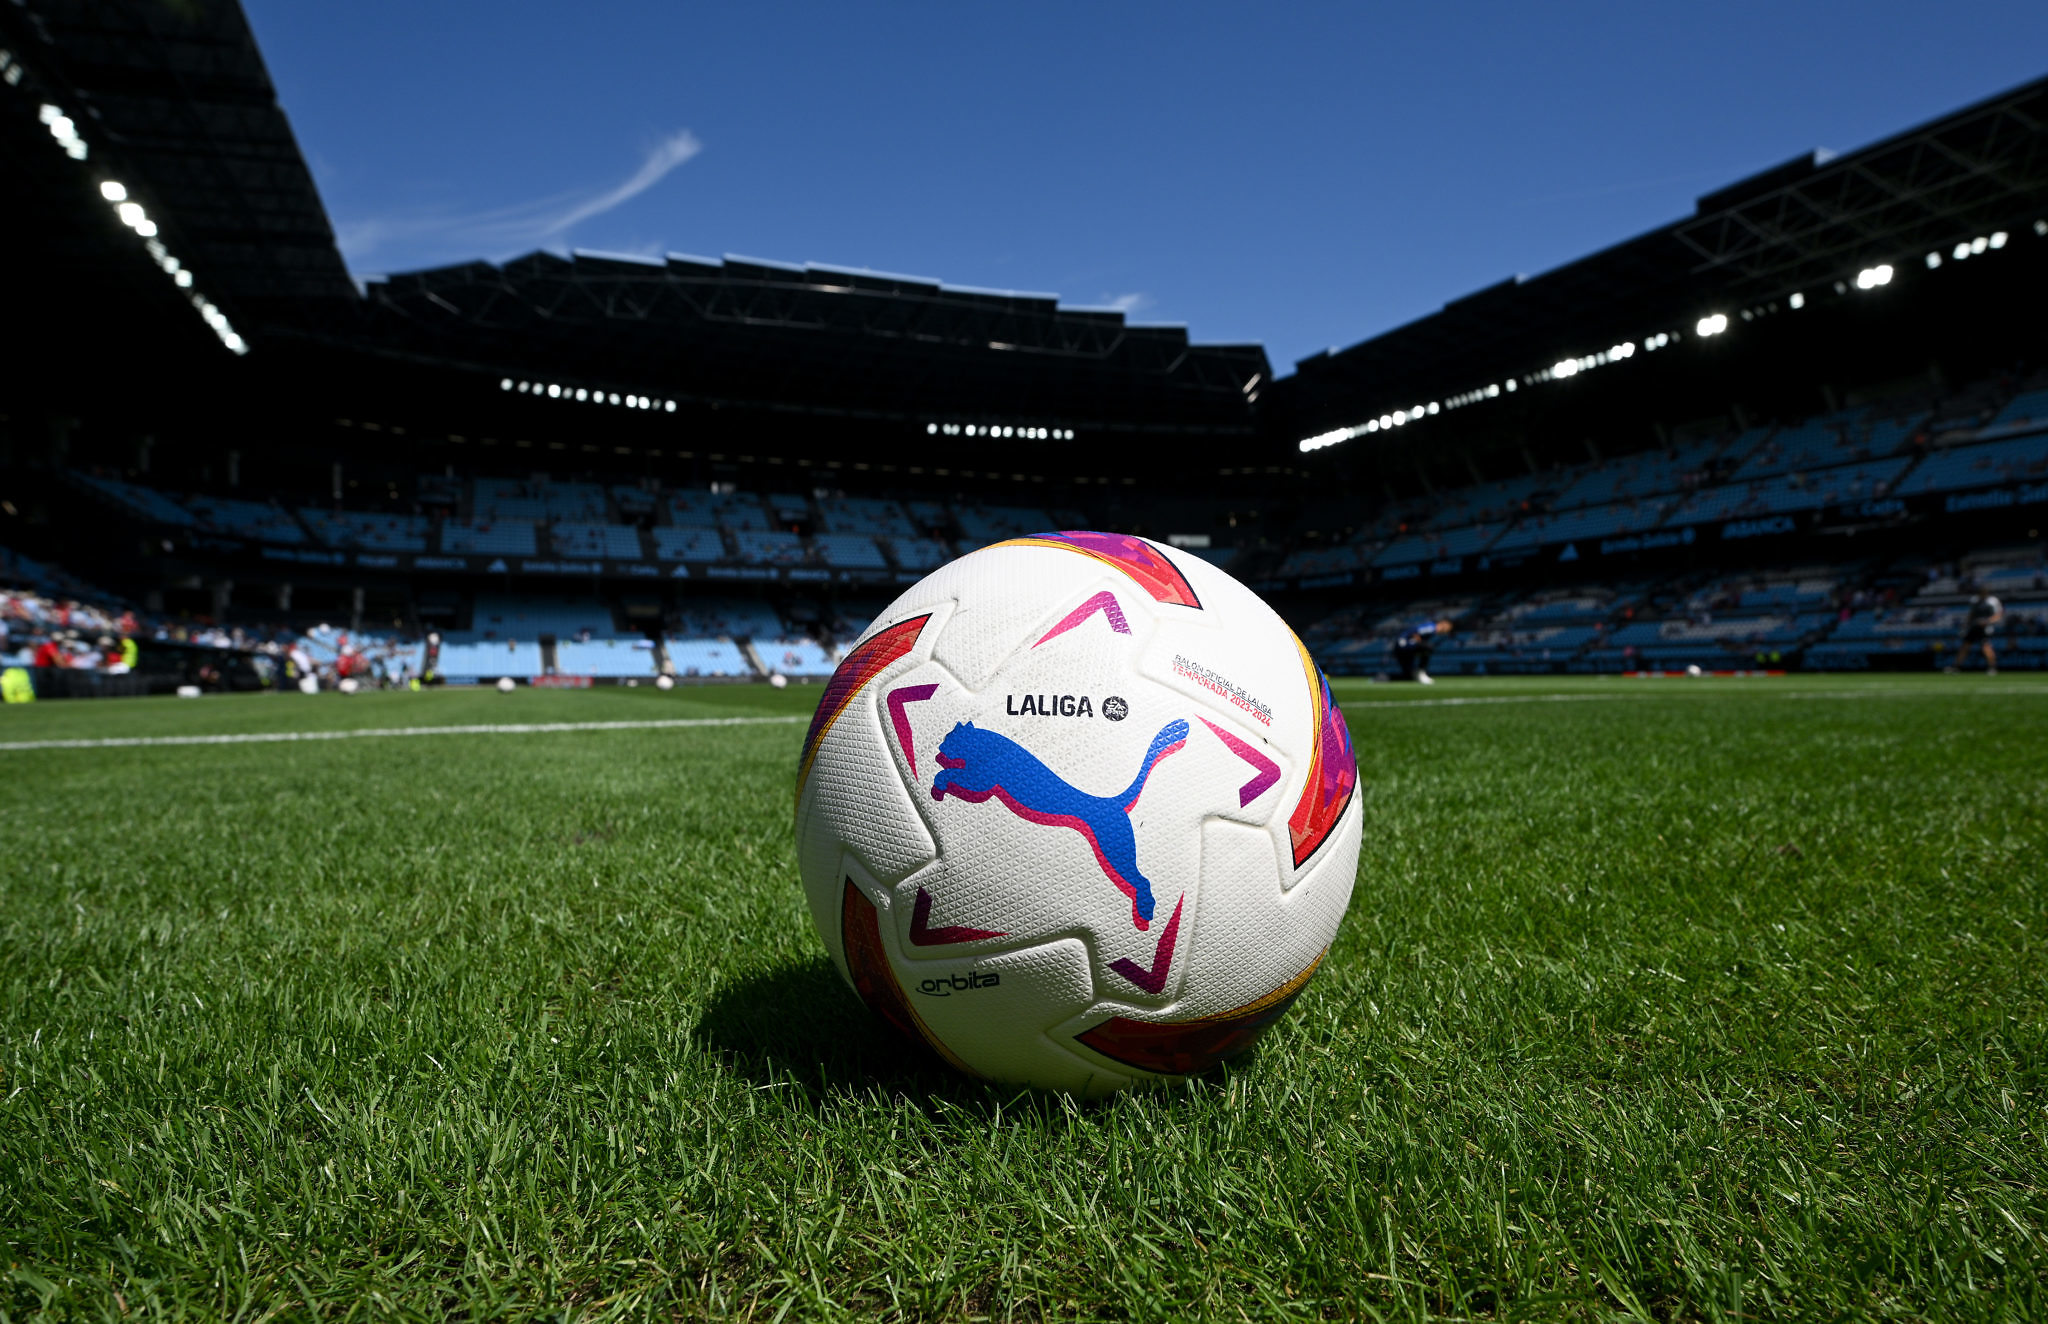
<point>1804,397</point>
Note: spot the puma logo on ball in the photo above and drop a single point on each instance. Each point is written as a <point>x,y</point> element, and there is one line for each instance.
<point>975,764</point>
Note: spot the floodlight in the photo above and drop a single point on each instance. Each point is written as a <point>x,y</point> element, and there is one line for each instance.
<point>183,279</point>
<point>113,192</point>
<point>1961,251</point>
<point>1998,239</point>
<point>1712,325</point>
<point>1871,277</point>
<point>1797,300</point>
<point>131,213</point>
<point>1933,261</point>
<point>505,384</point>
<point>1979,244</point>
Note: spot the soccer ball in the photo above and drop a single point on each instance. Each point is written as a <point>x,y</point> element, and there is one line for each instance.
<point>347,685</point>
<point>1078,811</point>
<point>779,681</point>
<point>1693,669</point>
<point>506,685</point>
<point>664,682</point>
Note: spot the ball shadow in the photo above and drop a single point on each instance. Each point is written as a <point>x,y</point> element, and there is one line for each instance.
<point>800,1024</point>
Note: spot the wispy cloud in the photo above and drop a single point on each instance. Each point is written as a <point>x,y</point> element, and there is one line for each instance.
<point>1127,303</point>
<point>503,231</point>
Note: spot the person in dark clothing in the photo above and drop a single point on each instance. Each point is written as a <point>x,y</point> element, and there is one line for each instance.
<point>1413,649</point>
<point>1980,622</point>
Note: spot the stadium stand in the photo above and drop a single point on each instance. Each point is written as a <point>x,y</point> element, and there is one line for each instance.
<point>687,543</point>
<point>1436,546</point>
<point>353,528</point>
<point>618,542</point>
<point>730,618</point>
<point>608,658</point>
<point>878,518</point>
<point>919,553</point>
<point>2022,459</point>
<point>981,525</point>
<point>509,537</point>
<point>852,551</point>
<point>768,546</point>
<point>246,519</point>
<point>146,502</point>
<point>795,657</point>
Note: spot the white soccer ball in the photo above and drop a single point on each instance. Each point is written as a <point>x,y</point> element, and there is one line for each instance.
<point>506,685</point>
<point>347,685</point>
<point>307,685</point>
<point>779,681</point>
<point>664,682</point>
<point>1693,669</point>
<point>1079,812</point>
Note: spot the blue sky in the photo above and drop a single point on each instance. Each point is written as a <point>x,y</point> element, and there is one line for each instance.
<point>1302,176</point>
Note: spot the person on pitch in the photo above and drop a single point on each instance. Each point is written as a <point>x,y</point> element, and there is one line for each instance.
<point>1413,649</point>
<point>1980,622</point>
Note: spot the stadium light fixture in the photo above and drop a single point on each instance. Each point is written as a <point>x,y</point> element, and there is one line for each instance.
<point>1798,300</point>
<point>1871,277</point>
<point>1711,325</point>
<point>1933,261</point>
<point>131,214</point>
<point>505,385</point>
<point>1998,239</point>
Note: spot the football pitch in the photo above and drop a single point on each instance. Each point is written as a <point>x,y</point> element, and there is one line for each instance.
<point>1706,999</point>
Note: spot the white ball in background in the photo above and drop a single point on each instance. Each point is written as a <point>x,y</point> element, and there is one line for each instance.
<point>506,685</point>
<point>307,685</point>
<point>1693,670</point>
<point>348,685</point>
<point>779,681</point>
<point>188,691</point>
<point>632,684</point>
<point>1079,812</point>
<point>664,682</point>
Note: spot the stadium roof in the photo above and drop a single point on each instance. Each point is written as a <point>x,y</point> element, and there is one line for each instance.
<point>1807,227</point>
<point>743,331</point>
<point>173,103</point>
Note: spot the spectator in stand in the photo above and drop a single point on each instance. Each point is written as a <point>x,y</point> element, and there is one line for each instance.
<point>49,653</point>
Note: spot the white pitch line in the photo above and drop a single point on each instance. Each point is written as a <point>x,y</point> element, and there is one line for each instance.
<point>1497,698</point>
<point>506,729</point>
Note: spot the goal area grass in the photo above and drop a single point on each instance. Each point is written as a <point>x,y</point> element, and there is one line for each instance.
<point>1673,999</point>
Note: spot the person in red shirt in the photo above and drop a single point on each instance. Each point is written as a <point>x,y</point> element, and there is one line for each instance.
<point>48,654</point>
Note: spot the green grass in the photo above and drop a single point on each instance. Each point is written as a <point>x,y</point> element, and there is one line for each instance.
<point>1688,1000</point>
